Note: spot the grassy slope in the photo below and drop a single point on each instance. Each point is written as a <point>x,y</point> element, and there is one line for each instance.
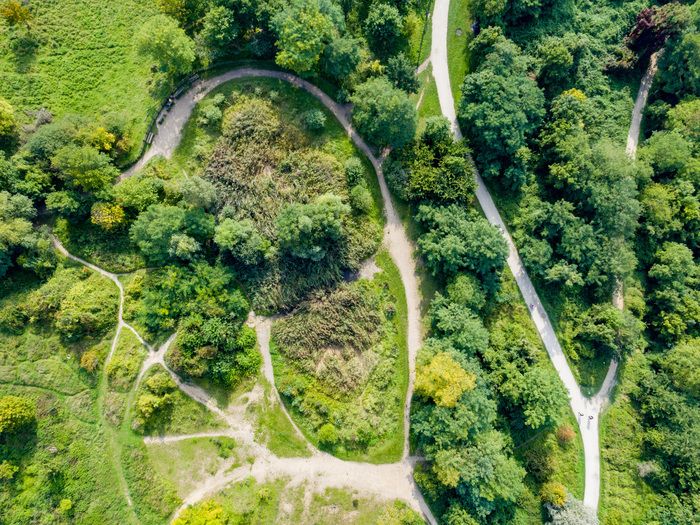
<point>624,497</point>
<point>86,62</point>
<point>457,45</point>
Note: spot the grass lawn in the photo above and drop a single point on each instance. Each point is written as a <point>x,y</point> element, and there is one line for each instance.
<point>275,502</point>
<point>85,61</point>
<point>273,429</point>
<point>459,34</point>
<point>187,463</point>
<point>624,496</point>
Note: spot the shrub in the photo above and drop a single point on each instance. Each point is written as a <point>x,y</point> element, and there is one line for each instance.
<point>106,215</point>
<point>361,199</point>
<point>16,413</point>
<point>565,435</point>
<point>90,361</point>
<point>314,120</point>
<point>553,493</point>
<point>354,171</point>
<point>328,435</point>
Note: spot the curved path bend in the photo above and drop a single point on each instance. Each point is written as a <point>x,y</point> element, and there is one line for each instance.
<point>390,481</point>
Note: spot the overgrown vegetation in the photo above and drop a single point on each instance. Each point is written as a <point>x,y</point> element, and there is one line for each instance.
<point>340,363</point>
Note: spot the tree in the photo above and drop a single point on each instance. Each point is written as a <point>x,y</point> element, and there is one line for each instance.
<point>15,13</point>
<point>608,330</point>
<point>328,435</point>
<point>219,31</point>
<point>16,232</point>
<point>383,114</point>
<point>443,380</point>
<point>455,240</point>
<point>543,397</point>
<point>161,39</point>
<point>341,57</point>
<point>402,73</point>
<point>682,364</point>
<point>138,192</point>
<point>107,216</point>
<point>383,27</point>
<point>84,168</point>
<point>302,33</point>
<point>676,295</point>
<point>242,240</point>
<point>457,323</point>
<point>16,413</point>
<point>8,123</point>
<point>156,231</point>
<point>308,231</point>
<point>501,108</point>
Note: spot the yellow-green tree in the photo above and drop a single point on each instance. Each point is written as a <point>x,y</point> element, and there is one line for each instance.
<point>15,413</point>
<point>443,380</point>
<point>207,513</point>
<point>15,13</point>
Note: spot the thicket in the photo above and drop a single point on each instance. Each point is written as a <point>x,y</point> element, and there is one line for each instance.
<point>338,357</point>
<point>292,217</point>
<point>483,383</point>
<point>587,217</point>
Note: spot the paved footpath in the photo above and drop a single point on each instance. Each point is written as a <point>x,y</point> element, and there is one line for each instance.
<point>583,407</point>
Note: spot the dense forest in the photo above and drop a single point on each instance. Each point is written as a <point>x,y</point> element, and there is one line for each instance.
<point>263,204</point>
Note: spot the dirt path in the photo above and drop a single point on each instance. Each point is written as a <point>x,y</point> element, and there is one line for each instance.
<point>395,239</point>
<point>321,470</point>
<point>586,410</point>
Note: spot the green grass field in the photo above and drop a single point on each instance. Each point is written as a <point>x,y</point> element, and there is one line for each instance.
<point>85,61</point>
<point>459,34</point>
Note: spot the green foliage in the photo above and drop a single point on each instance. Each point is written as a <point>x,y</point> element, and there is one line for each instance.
<point>314,120</point>
<point>675,295</point>
<point>219,33</point>
<point>341,57</point>
<point>88,309</point>
<point>383,27</point>
<point>303,31</point>
<point>16,413</point>
<point>164,231</point>
<point>8,123</point>
<point>383,114</point>
<point>308,231</point>
<point>138,192</point>
<point>501,108</point>
<point>402,73</point>
<point>242,240</point>
<point>443,381</point>
<point>457,240</point>
<point>207,513</point>
<point>84,168</point>
<point>164,42</point>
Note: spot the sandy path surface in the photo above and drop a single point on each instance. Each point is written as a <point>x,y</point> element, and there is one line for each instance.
<point>389,481</point>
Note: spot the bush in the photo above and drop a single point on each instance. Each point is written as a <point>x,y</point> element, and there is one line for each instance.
<point>16,413</point>
<point>90,361</point>
<point>553,493</point>
<point>565,435</point>
<point>361,199</point>
<point>314,120</point>
<point>354,171</point>
<point>328,435</point>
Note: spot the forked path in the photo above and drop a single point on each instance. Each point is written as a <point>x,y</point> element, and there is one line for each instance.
<point>395,239</point>
<point>389,481</point>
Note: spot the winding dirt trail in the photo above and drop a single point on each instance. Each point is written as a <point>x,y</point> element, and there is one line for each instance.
<point>321,470</point>
<point>587,410</point>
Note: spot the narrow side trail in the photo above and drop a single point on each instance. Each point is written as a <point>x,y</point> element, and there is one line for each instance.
<point>395,238</point>
<point>321,470</point>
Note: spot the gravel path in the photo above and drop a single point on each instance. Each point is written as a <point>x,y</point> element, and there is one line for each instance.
<point>586,410</point>
<point>321,470</point>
